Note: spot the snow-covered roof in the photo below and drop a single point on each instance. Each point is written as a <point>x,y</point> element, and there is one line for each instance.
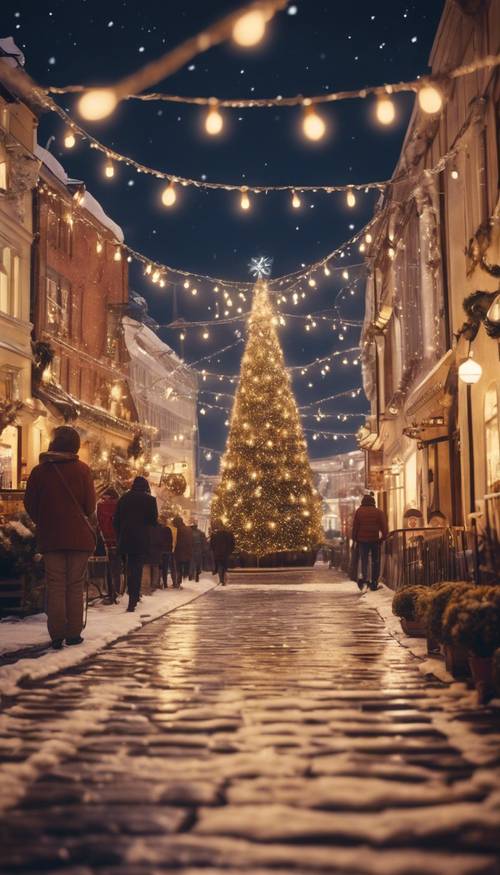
<point>8,45</point>
<point>89,202</point>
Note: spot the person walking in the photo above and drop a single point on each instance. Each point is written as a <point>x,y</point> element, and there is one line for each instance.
<point>136,512</point>
<point>183,549</point>
<point>199,549</point>
<point>369,528</point>
<point>160,546</point>
<point>222,544</point>
<point>60,499</point>
<point>106,509</point>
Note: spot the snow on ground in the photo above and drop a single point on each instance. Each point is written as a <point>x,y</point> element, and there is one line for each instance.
<point>105,624</point>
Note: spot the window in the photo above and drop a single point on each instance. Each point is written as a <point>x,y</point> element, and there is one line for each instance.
<point>492,438</point>
<point>3,168</point>
<point>9,383</point>
<point>58,305</point>
<point>9,282</point>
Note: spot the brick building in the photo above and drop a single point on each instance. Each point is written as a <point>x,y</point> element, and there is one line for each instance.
<point>80,287</point>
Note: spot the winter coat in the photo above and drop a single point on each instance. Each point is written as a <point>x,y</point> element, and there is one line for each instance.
<point>184,545</point>
<point>199,545</point>
<point>369,524</point>
<point>222,544</point>
<point>160,542</point>
<point>106,509</point>
<point>59,518</point>
<point>135,513</point>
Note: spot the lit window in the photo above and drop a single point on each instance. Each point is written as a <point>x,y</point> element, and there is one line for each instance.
<point>492,436</point>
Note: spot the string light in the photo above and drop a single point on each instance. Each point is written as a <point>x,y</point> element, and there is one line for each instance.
<point>313,125</point>
<point>69,139</point>
<point>109,170</point>
<point>385,111</point>
<point>350,198</point>
<point>430,99</point>
<point>117,254</point>
<point>345,274</point>
<point>205,335</point>
<point>98,247</point>
<point>250,28</point>
<point>454,173</point>
<point>97,104</point>
<point>214,121</point>
<point>296,201</point>
<point>245,200</point>
<point>169,195</point>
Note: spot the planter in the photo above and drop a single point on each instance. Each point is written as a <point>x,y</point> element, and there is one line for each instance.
<point>456,661</point>
<point>482,674</point>
<point>433,646</point>
<point>413,628</point>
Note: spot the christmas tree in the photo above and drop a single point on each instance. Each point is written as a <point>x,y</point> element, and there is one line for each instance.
<point>266,494</point>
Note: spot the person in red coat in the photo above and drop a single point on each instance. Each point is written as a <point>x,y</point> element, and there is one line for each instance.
<point>369,528</point>
<point>60,498</point>
<point>106,509</point>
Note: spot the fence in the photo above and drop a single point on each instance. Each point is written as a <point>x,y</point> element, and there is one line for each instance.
<point>426,556</point>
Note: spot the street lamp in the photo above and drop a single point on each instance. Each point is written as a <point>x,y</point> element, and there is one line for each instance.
<point>470,372</point>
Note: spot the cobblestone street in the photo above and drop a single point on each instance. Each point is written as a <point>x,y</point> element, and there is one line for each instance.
<point>257,730</point>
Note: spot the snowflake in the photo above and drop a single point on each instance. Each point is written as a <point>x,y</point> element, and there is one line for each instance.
<point>260,266</point>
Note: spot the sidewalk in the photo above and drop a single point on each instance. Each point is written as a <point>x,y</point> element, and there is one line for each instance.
<point>25,652</point>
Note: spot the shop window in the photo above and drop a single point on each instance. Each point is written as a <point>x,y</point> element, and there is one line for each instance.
<point>58,306</point>
<point>9,282</point>
<point>492,437</point>
<point>3,172</point>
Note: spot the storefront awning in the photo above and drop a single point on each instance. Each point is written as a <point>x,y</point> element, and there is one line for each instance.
<point>57,401</point>
<point>428,398</point>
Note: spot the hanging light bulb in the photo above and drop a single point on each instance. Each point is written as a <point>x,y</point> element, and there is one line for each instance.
<point>385,111</point>
<point>454,173</point>
<point>169,195</point>
<point>149,269</point>
<point>313,125</point>
<point>109,170</point>
<point>362,247</point>
<point>350,198</point>
<point>250,28</point>
<point>213,121</point>
<point>296,201</point>
<point>430,99</point>
<point>345,274</point>
<point>245,200</point>
<point>368,238</point>
<point>69,139</point>
<point>186,284</point>
<point>326,270</point>
<point>118,254</point>
<point>156,276</point>
<point>98,247</point>
<point>97,104</point>
<point>311,282</point>
<point>205,335</point>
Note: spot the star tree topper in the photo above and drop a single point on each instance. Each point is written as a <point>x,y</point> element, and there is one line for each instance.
<point>260,266</point>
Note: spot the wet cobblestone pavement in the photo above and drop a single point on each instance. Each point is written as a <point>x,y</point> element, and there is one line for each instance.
<point>257,731</point>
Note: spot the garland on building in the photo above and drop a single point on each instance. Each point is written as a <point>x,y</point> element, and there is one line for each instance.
<point>266,494</point>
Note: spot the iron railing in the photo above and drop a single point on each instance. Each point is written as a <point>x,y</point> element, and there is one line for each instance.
<point>425,556</point>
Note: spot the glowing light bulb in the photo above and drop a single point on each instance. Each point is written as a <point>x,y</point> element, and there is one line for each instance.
<point>430,99</point>
<point>385,111</point>
<point>313,125</point>
<point>169,195</point>
<point>362,247</point>
<point>214,121</point>
<point>245,200</point>
<point>97,104</point>
<point>149,269</point>
<point>345,274</point>
<point>250,28</point>
<point>69,139</point>
<point>311,282</point>
<point>194,292</point>
<point>98,247</point>
<point>326,270</point>
<point>156,276</point>
<point>454,173</point>
<point>368,238</point>
<point>109,170</point>
<point>296,201</point>
<point>186,284</point>
<point>350,198</point>
<point>182,336</point>
<point>118,254</point>
<point>205,335</point>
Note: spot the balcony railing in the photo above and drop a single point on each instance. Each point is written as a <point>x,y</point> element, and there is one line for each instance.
<point>425,556</point>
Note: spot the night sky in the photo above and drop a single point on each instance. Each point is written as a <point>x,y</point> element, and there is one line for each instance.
<point>316,46</point>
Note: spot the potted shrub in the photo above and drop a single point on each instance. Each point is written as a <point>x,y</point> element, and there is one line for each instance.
<point>473,620</point>
<point>21,568</point>
<point>455,654</point>
<point>407,604</point>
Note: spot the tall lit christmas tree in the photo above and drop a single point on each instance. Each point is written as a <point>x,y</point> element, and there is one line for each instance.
<point>266,494</point>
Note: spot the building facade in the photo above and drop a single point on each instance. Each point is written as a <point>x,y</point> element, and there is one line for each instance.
<point>164,392</point>
<point>434,242</point>
<point>80,288</point>
<point>18,176</point>
<point>340,480</point>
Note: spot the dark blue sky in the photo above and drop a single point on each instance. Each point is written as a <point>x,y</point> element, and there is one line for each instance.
<point>324,46</point>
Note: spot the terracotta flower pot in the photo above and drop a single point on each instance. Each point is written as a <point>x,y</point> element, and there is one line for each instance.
<point>456,661</point>
<point>482,674</point>
<point>413,628</point>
